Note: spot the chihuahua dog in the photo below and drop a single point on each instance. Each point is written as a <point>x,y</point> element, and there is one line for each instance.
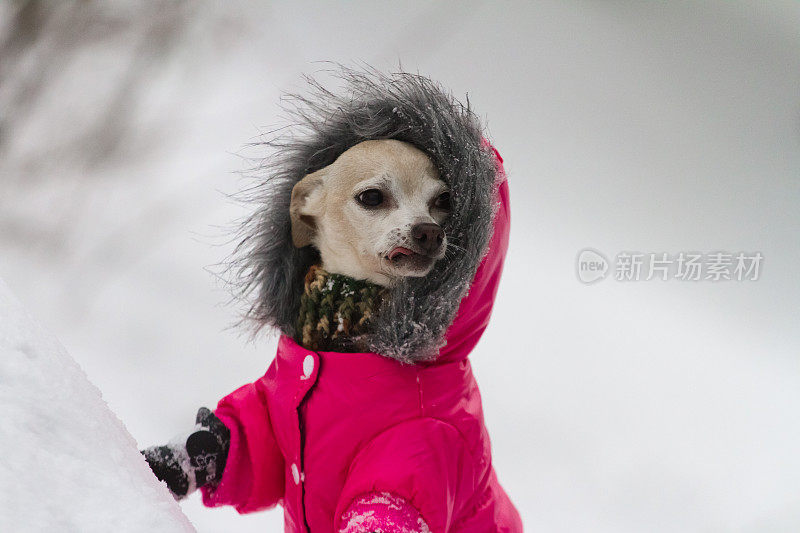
<point>374,214</point>
<point>369,417</point>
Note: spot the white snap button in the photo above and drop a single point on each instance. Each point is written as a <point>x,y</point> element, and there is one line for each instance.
<point>295,474</point>
<point>308,366</point>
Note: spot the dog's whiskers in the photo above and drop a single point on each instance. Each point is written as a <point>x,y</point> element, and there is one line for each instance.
<point>452,245</point>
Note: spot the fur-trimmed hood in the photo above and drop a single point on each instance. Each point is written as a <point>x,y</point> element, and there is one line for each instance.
<point>412,323</point>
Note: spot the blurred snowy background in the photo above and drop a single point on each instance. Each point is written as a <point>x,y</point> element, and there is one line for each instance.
<point>657,127</point>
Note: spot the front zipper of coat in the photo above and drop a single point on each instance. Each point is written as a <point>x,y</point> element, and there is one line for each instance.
<point>301,427</point>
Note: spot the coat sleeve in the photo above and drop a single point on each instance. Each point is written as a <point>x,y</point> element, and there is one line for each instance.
<point>412,477</point>
<point>253,478</point>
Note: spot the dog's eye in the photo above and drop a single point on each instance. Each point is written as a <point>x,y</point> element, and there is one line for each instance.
<point>443,201</point>
<point>370,198</point>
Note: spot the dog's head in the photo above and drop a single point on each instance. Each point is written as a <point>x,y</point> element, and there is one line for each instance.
<point>375,213</point>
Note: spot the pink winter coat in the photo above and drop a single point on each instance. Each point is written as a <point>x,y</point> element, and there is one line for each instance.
<point>357,442</point>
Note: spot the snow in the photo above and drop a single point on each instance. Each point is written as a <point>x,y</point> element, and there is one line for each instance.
<point>68,462</point>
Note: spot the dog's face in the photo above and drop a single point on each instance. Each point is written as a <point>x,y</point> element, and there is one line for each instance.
<point>375,213</point>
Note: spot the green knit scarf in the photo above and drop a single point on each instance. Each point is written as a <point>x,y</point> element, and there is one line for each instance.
<point>335,310</point>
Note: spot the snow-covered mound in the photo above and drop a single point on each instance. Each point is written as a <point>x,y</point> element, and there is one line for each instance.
<point>67,462</point>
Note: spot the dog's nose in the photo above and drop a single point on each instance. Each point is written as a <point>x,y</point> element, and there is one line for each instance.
<point>428,236</point>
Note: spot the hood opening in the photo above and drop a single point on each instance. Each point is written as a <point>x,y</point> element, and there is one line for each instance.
<point>268,270</point>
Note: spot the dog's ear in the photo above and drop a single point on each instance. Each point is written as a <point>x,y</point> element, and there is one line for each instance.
<point>305,207</point>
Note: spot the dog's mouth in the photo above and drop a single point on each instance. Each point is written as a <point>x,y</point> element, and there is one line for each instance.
<point>407,262</point>
<point>401,252</point>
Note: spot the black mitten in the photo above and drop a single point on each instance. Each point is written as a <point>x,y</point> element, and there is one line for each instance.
<point>188,463</point>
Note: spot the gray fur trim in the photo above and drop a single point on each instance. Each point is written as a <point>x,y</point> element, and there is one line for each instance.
<point>269,270</point>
